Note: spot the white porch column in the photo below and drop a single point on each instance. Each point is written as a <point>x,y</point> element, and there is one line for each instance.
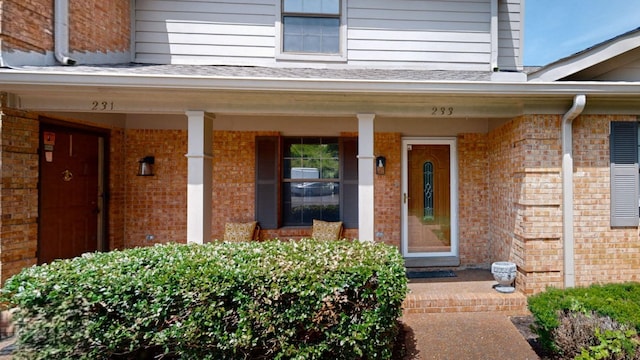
<point>199,176</point>
<point>366,169</point>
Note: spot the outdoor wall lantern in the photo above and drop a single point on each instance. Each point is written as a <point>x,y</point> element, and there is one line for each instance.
<point>145,166</point>
<point>381,163</point>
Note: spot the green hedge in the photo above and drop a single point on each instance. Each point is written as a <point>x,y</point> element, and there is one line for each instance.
<point>620,302</point>
<point>273,300</point>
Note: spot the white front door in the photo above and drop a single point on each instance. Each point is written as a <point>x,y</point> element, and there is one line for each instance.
<point>429,200</point>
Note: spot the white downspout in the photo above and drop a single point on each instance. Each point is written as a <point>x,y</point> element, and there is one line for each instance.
<point>494,36</point>
<point>579,102</point>
<point>61,32</point>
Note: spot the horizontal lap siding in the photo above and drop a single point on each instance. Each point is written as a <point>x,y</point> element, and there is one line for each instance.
<point>197,32</point>
<point>510,35</point>
<point>445,35</point>
<point>442,35</point>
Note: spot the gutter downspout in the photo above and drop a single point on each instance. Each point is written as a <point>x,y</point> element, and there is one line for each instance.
<point>494,36</point>
<point>61,32</point>
<point>579,102</point>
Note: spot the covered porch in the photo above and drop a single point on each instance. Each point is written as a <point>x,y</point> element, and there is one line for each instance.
<point>202,131</point>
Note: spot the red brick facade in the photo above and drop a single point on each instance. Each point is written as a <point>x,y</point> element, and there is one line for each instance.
<point>509,192</point>
<point>155,205</point>
<point>94,25</point>
<point>603,254</point>
<point>19,192</point>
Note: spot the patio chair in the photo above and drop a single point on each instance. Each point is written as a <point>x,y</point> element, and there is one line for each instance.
<point>326,230</point>
<point>241,231</point>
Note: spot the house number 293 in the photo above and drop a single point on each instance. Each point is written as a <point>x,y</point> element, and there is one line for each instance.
<point>102,105</point>
<point>446,111</point>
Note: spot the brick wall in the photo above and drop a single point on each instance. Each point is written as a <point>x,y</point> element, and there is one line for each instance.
<point>602,254</point>
<point>387,189</point>
<point>155,205</point>
<point>94,25</point>
<point>19,190</point>
<point>27,25</point>
<point>473,187</point>
<point>525,223</point>
<point>510,195</point>
<point>234,176</point>
<point>99,26</point>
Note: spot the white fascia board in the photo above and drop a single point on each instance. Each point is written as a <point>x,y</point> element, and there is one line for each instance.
<point>15,80</point>
<point>592,57</point>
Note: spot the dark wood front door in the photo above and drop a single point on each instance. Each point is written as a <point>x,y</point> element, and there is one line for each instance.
<point>70,192</point>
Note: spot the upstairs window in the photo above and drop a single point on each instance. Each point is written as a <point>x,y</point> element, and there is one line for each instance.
<point>312,30</point>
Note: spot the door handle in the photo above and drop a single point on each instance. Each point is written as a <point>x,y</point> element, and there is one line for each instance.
<point>405,197</point>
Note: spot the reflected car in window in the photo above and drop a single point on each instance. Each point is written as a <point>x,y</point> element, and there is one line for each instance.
<point>315,188</point>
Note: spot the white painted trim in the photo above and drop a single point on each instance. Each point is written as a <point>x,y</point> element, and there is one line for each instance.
<point>494,35</point>
<point>453,158</point>
<point>366,169</point>
<point>303,57</point>
<point>15,80</point>
<point>199,176</point>
<point>588,58</point>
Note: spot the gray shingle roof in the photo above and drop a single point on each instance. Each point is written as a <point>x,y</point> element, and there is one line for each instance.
<point>265,72</point>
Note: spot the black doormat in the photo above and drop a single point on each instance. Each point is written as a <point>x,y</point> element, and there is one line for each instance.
<point>430,274</point>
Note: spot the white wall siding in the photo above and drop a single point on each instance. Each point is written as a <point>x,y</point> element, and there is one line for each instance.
<point>443,35</point>
<point>418,34</point>
<point>205,32</point>
<point>510,30</point>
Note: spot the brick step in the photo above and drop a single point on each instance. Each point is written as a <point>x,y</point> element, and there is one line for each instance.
<point>469,291</point>
<point>507,304</point>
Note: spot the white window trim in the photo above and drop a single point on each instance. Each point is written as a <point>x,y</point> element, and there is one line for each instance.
<point>290,56</point>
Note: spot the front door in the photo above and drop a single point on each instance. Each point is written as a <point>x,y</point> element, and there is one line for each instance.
<point>71,202</point>
<point>429,201</point>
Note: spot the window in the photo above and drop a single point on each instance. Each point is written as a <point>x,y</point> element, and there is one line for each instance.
<point>299,179</point>
<point>312,30</point>
<point>625,180</point>
<point>311,181</point>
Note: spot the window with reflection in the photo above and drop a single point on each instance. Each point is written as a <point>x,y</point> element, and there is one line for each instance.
<point>311,180</point>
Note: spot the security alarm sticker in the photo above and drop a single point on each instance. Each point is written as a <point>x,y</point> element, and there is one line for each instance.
<point>49,139</point>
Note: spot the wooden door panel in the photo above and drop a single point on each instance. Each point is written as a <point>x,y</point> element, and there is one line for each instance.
<point>69,190</point>
<point>429,228</point>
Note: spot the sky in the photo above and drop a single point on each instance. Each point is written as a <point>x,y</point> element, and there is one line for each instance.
<point>558,28</point>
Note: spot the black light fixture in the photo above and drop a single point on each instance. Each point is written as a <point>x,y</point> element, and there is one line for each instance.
<point>381,163</point>
<point>145,166</point>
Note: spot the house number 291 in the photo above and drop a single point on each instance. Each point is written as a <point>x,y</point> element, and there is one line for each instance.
<point>102,105</point>
<point>446,111</point>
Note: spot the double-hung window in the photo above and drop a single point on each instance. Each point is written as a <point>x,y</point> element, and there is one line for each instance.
<point>625,179</point>
<point>312,30</point>
<point>299,179</point>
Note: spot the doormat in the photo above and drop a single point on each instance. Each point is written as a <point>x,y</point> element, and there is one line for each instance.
<point>430,274</point>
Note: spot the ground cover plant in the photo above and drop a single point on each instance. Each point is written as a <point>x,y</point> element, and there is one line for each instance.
<point>595,322</point>
<point>268,300</point>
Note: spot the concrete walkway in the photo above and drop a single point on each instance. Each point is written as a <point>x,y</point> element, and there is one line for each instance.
<point>464,336</point>
<point>463,317</point>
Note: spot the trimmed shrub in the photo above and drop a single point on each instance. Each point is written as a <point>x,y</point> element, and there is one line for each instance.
<point>271,300</point>
<point>613,308</point>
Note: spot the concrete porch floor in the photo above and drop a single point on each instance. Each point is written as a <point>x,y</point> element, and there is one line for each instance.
<point>470,291</point>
